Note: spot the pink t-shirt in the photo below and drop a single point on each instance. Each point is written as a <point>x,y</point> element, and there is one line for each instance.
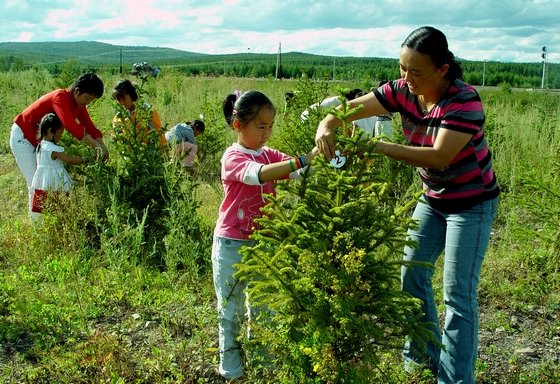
<point>243,191</point>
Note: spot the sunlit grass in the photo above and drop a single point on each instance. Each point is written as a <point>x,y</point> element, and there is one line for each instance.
<point>75,307</point>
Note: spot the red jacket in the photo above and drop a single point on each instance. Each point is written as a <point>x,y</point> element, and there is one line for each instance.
<point>75,118</point>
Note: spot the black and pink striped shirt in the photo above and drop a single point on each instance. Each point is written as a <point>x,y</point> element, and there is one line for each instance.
<point>469,178</point>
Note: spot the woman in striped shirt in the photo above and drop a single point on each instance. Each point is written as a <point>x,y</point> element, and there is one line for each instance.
<point>443,124</point>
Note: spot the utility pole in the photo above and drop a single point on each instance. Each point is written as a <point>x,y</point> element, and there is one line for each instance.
<point>333,68</point>
<point>484,73</point>
<point>121,61</point>
<point>544,56</point>
<point>278,59</point>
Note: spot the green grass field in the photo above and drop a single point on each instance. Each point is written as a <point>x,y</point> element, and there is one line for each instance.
<point>80,305</point>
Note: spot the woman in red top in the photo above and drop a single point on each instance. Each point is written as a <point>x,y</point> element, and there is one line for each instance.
<point>70,106</point>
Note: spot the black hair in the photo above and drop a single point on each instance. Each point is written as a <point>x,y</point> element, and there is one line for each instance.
<point>125,87</point>
<point>88,83</point>
<point>381,83</point>
<point>50,123</point>
<point>197,125</point>
<point>245,107</point>
<point>432,42</point>
<point>353,93</point>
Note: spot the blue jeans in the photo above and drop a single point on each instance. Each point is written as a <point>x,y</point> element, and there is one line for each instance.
<point>464,238</point>
<point>233,305</point>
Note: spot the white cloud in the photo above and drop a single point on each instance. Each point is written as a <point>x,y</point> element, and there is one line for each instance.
<point>24,37</point>
<point>504,30</point>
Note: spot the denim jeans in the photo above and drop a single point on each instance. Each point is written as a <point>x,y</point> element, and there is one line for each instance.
<point>231,297</point>
<point>463,237</point>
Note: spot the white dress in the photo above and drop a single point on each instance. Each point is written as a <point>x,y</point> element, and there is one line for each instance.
<point>50,174</point>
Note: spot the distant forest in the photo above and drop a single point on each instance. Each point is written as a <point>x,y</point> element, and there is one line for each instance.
<point>55,56</point>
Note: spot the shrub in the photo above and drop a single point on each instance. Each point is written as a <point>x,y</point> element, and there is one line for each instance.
<point>325,272</point>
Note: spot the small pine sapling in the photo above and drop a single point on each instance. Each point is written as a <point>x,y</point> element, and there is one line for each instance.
<point>326,266</point>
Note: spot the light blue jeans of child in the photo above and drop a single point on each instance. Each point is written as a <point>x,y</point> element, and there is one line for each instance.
<point>231,303</point>
<point>464,238</point>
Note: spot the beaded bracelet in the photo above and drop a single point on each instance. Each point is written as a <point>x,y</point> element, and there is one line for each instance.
<point>297,163</point>
<point>292,165</point>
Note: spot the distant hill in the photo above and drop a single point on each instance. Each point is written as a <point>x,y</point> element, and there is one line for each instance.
<point>96,53</point>
<point>90,52</point>
<point>91,55</point>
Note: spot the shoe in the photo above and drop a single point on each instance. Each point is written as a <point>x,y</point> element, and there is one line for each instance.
<point>230,378</point>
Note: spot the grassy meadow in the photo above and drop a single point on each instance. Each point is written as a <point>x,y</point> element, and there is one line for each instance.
<point>85,298</point>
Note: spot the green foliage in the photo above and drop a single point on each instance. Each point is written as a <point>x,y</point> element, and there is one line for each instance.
<point>326,266</point>
<point>525,143</point>
<point>505,87</point>
<point>187,238</point>
<point>138,185</point>
<point>293,65</point>
<point>11,63</point>
<point>80,300</point>
<point>69,73</point>
<point>543,202</point>
<point>296,136</point>
<point>216,138</point>
<point>146,204</point>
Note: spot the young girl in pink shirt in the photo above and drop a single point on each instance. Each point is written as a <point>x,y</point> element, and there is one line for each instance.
<point>249,170</point>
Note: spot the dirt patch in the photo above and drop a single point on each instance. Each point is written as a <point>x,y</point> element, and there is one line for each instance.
<point>515,345</point>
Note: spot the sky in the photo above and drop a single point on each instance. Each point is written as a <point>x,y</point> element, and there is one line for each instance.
<point>493,30</point>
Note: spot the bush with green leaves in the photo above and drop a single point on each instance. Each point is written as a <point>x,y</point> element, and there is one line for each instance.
<point>146,203</point>
<point>295,135</point>
<point>326,266</point>
<point>216,138</point>
<point>541,199</point>
<point>68,74</point>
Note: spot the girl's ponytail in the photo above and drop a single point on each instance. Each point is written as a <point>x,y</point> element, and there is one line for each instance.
<point>49,124</point>
<point>228,106</point>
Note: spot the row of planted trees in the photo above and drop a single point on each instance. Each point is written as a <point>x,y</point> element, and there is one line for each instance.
<point>296,65</point>
<point>518,75</point>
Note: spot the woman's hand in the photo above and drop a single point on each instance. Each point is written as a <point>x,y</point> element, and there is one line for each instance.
<point>324,138</point>
<point>105,153</point>
<point>101,153</point>
<point>98,146</point>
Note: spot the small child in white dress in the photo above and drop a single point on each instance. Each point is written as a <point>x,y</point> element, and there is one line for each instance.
<point>51,174</point>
